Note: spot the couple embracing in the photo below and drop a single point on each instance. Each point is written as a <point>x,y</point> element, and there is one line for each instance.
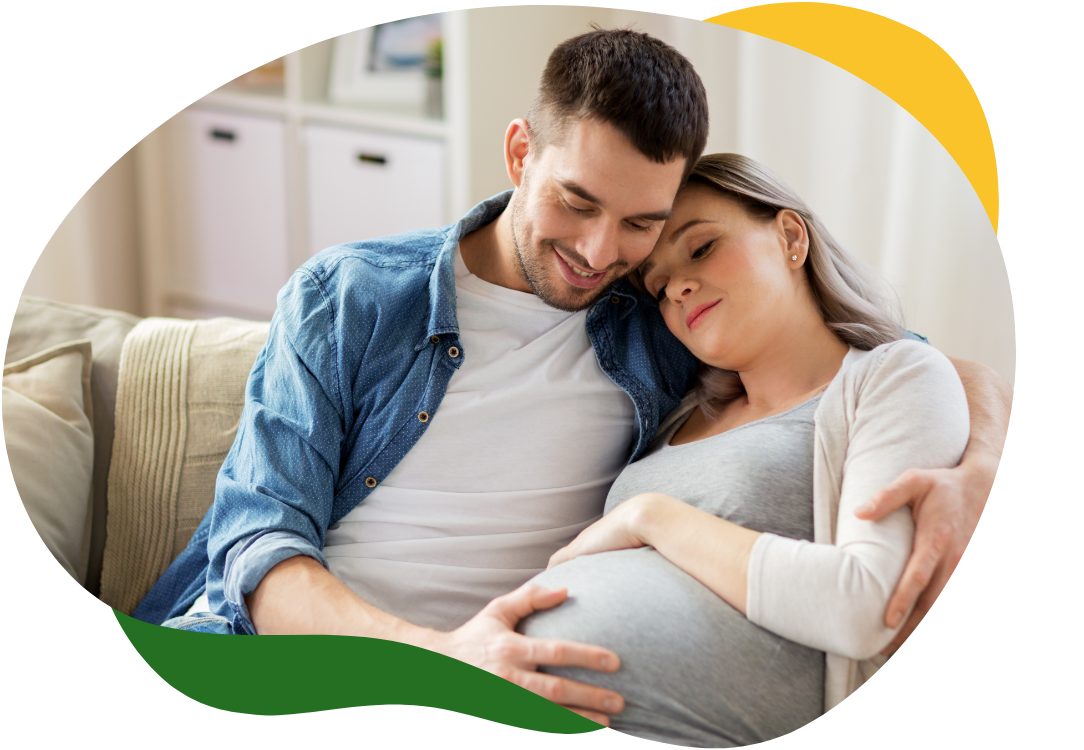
<point>637,435</point>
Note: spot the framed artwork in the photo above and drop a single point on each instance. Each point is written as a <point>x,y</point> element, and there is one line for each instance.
<point>387,64</point>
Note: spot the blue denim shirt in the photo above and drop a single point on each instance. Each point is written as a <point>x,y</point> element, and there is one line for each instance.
<point>364,338</point>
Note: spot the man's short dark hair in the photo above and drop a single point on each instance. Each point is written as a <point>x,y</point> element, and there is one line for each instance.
<point>640,85</point>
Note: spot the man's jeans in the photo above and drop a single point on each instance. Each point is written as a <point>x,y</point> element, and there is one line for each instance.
<point>200,622</point>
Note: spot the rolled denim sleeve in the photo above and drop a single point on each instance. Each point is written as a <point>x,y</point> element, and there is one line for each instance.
<point>275,491</point>
<point>250,559</point>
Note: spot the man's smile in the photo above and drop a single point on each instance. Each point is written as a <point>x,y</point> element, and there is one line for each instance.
<point>575,276</point>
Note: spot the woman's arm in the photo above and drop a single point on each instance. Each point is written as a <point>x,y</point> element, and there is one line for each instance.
<point>710,549</point>
<point>902,408</point>
<point>911,412</point>
<point>946,503</point>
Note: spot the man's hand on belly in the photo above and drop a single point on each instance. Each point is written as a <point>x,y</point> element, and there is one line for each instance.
<point>489,641</point>
<point>299,596</point>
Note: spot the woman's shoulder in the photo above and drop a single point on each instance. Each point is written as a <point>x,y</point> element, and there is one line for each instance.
<point>898,373</point>
<point>907,358</point>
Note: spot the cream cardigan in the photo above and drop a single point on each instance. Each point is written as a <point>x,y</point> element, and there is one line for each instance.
<point>897,407</point>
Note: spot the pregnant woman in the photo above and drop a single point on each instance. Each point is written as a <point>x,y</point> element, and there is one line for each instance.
<point>730,572</point>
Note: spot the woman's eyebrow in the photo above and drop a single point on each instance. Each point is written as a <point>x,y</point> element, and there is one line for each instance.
<point>676,235</point>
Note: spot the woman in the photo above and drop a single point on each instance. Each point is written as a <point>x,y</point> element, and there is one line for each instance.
<point>730,572</point>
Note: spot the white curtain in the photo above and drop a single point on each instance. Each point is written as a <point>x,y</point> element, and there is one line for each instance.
<point>882,184</point>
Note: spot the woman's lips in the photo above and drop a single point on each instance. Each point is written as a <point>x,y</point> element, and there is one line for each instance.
<point>573,278</point>
<point>698,313</point>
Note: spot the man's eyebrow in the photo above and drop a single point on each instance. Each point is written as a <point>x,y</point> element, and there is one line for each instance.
<point>578,190</point>
<point>645,268</point>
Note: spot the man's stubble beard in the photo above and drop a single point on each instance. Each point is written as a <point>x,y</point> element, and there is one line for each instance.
<point>533,269</point>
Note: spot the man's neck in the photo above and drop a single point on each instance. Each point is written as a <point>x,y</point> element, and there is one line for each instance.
<point>489,253</point>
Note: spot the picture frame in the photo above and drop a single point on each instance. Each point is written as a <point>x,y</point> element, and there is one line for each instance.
<point>386,65</point>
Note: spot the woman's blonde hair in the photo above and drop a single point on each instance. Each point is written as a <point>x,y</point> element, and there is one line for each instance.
<point>850,301</point>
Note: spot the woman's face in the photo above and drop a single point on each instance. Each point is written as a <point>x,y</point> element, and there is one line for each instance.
<point>725,280</point>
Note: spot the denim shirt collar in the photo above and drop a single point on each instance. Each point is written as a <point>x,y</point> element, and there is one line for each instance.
<point>442,311</point>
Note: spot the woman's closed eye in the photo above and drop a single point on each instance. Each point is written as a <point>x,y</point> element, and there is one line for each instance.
<point>703,250</point>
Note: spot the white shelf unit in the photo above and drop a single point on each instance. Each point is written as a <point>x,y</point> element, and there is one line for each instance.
<point>489,78</point>
<point>179,264</point>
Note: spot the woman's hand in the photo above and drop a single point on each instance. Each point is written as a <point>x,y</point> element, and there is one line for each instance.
<point>622,528</point>
<point>712,550</point>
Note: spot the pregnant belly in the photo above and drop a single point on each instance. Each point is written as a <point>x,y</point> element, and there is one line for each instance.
<point>694,671</point>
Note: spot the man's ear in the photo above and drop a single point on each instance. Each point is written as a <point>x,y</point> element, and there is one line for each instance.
<point>517,144</point>
<point>795,237</point>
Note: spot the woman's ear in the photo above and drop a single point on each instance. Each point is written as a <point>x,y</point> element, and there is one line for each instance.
<point>795,236</point>
<point>517,144</point>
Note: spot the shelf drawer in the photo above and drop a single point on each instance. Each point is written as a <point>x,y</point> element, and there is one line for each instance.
<point>231,242</point>
<point>363,185</point>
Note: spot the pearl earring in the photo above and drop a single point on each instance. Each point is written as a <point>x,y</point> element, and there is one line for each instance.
<point>794,257</point>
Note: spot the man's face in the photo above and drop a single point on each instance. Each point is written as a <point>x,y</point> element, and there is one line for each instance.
<point>587,211</point>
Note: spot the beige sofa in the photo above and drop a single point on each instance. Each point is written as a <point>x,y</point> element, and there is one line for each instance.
<point>115,429</point>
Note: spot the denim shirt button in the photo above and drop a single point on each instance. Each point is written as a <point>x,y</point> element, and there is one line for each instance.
<point>370,482</point>
<point>423,416</point>
<point>615,299</point>
<point>434,339</point>
<point>453,352</point>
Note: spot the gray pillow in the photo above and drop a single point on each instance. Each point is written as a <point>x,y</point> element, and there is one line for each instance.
<point>41,324</point>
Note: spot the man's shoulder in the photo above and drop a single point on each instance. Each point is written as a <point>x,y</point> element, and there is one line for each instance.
<point>639,341</point>
<point>378,258</point>
<point>634,317</point>
<point>341,293</point>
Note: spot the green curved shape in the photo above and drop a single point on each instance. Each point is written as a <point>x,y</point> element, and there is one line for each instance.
<point>273,675</point>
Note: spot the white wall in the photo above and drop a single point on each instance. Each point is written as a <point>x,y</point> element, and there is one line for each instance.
<point>93,257</point>
<point>886,189</point>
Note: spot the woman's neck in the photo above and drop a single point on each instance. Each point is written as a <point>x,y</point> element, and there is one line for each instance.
<point>798,365</point>
<point>799,362</point>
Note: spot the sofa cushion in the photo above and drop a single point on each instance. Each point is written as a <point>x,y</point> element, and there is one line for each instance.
<point>48,412</point>
<point>179,401</point>
<point>41,324</point>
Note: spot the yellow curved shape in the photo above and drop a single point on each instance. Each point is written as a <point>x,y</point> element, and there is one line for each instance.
<point>905,65</point>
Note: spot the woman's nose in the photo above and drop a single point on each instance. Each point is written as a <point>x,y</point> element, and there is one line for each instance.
<point>680,289</point>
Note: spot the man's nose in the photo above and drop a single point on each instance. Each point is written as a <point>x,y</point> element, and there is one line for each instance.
<point>600,247</point>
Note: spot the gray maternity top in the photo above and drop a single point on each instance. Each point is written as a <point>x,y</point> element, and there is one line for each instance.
<point>694,671</point>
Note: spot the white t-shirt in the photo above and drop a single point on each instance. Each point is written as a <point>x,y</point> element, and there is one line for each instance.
<point>515,462</point>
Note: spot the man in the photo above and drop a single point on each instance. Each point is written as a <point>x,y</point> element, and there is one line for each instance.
<point>479,387</point>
